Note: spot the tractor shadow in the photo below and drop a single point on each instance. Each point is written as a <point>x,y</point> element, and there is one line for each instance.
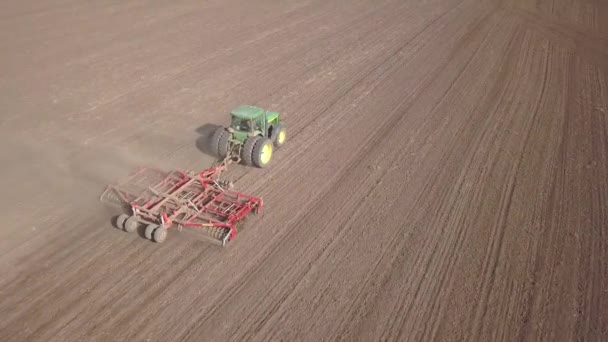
<point>203,142</point>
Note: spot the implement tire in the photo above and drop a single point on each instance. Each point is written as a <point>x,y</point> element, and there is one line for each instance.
<point>247,150</point>
<point>131,224</point>
<point>220,142</point>
<point>159,235</point>
<point>150,231</point>
<point>120,221</point>
<point>262,152</point>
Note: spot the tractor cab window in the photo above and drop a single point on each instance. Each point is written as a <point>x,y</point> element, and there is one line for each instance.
<point>242,124</point>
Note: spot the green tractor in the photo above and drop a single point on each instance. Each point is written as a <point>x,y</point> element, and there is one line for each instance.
<point>252,136</point>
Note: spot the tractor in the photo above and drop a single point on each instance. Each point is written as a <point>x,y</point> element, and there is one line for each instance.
<point>252,136</point>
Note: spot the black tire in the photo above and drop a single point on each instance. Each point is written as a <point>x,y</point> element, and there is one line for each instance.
<point>160,234</point>
<point>120,221</point>
<point>259,157</point>
<point>220,141</point>
<point>150,231</point>
<point>223,147</point>
<point>247,150</point>
<point>131,224</point>
<point>276,133</point>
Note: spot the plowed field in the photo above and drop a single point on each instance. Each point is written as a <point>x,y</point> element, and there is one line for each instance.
<point>445,175</point>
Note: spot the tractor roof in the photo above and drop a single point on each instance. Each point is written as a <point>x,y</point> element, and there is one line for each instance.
<point>247,112</point>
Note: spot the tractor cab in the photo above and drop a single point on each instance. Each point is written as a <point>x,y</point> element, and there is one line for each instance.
<point>251,121</point>
<point>248,119</point>
<point>242,125</point>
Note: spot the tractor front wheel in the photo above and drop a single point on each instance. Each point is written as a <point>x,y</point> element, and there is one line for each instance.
<point>262,152</point>
<point>279,136</point>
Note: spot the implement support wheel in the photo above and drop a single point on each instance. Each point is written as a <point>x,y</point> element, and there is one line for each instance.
<point>120,221</point>
<point>131,224</point>
<point>262,152</point>
<point>160,234</point>
<point>150,230</point>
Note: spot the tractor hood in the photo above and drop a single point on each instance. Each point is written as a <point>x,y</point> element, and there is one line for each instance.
<point>247,112</point>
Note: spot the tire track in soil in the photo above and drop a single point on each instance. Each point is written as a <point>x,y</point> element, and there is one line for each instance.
<point>577,233</point>
<point>244,282</point>
<point>341,108</point>
<point>428,191</point>
<point>400,159</point>
<point>327,126</point>
<point>453,214</point>
<point>537,158</point>
<point>453,211</point>
<point>534,257</point>
<point>321,108</point>
<point>306,205</point>
<point>594,48</point>
<point>496,247</point>
<point>347,208</point>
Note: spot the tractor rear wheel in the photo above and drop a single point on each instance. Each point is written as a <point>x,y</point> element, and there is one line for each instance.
<point>247,150</point>
<point>262,152</point>
<point>278,136</point>
<point>220,142</point>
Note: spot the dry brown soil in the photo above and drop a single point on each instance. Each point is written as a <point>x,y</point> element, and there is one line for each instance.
<point>445,176</point>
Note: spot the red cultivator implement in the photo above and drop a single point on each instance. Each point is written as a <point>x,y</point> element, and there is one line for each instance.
<point>181,199</point>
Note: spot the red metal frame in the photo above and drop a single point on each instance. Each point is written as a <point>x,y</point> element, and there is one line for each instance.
<point>184,199</point>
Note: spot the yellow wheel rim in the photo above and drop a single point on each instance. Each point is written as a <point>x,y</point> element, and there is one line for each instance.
<point>266,153</point>
<point>281,137</point>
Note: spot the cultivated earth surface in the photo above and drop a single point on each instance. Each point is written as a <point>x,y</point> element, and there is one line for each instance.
<point>445,175</point>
